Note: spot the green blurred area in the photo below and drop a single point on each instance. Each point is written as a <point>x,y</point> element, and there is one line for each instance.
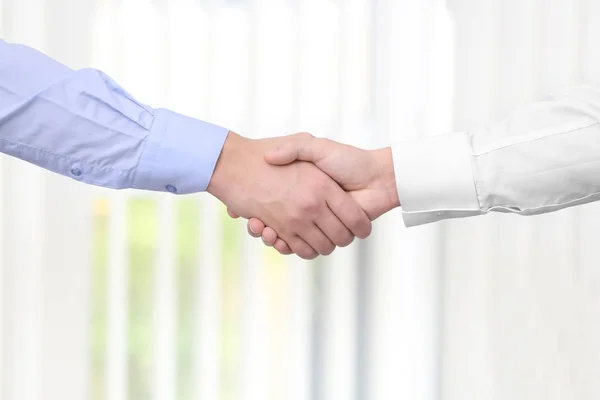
<point>142,236</point>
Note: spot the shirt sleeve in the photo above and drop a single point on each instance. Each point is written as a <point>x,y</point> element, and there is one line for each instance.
<point>83,125</point>
<point>542,158</point>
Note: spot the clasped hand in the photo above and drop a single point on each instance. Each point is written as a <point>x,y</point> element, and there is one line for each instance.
<point>302,194</point>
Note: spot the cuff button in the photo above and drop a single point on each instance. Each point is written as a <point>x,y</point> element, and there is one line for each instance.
<point>76,172</point>
<point>171,189</point>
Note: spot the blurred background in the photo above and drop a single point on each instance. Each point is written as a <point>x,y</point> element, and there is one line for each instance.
<point>133,295</point>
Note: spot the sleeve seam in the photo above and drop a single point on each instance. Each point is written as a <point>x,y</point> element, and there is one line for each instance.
<point>144,145</point>
<point>538,136</point>
<point>534,210</point>
<point>137,164</point>
<point>72,160</point>
<point>472,164</point>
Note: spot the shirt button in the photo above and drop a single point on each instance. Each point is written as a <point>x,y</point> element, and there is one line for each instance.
<point>171,188</point>
<point>75,171</point>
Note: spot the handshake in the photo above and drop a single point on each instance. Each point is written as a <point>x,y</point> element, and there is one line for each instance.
<point>302,194</point>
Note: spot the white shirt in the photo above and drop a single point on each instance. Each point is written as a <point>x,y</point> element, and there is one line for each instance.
<point>542,158</point>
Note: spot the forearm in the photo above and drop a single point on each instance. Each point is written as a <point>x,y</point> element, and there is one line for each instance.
<point>83,125</point>
<point>543,158</point>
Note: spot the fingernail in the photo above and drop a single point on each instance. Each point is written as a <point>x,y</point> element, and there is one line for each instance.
<point>266,244</point>
<point>251,230</point>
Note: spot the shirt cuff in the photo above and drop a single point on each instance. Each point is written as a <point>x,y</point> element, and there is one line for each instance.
<point>180,154</point>
<point>434,178</point>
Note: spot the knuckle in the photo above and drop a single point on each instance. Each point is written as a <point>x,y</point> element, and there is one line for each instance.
<point>323,141</point>
<point>368,228</point>
<point>306,253</point>
<point>282,250</point>
<point>281,246</point>
<point>304,135</point>
<point>322,144</point>
<point>295,221</point>
<point>310,206</point>
<point>355,219</point>
<point>359,222</point>
<point>303,254</point>
<point>328,250</point>
<point>346,238</point>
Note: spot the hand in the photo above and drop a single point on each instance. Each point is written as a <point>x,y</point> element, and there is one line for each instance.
<point>309,211</point>
<point>367,175</point>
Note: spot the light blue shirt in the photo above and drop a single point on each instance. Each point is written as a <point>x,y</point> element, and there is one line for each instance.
<point>83,125</point>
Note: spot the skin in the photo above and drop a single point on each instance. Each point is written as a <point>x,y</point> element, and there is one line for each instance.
<point>367,175</point>
<point>307,209</point>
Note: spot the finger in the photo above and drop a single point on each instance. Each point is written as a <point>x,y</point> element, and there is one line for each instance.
<point>282,247</point>
<point>317,240</point>
<point>349,212</point>
<point>334,229</point>
<point>269,236</point>
<point>301,248</point>
<point>255,227</point>
<point>232,214</point>
<point>301,148</point>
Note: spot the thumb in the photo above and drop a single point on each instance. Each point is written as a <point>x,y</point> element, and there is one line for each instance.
<point>301,149</point>
<point>283,155</point>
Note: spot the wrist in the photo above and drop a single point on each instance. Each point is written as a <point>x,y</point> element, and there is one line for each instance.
<point>385,177</point>
<point>222,175</point>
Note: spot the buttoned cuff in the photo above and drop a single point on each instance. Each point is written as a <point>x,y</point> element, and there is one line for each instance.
<point>434,178</point>
<point>180,154</point>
